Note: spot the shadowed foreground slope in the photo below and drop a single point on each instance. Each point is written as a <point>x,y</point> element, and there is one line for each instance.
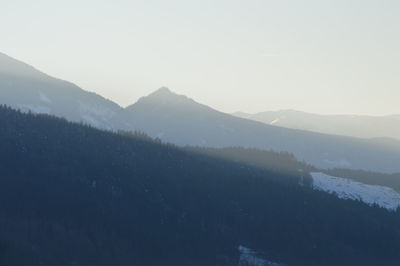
<point>74,195</point>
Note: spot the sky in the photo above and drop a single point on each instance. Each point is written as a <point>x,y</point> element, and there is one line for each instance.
<point>322,56</point>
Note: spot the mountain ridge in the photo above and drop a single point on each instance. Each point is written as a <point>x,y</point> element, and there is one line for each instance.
<point>180,120</point>
<point>26,88</point>
<point>362,126</point>
<point>201,125</point>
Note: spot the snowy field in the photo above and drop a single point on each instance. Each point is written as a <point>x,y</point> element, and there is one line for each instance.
<point>347,189</point>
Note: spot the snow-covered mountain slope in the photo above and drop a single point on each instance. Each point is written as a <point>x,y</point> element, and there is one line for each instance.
<point>346,125</point>
<point>348,189</point>
<point>26,88</point>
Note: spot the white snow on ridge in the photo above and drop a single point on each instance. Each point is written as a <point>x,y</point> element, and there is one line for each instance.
<point>348,189</point>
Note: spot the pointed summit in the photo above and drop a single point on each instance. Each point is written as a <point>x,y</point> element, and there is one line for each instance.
<point>162,93</point>
<point>163,90</point>
<point>165,96</point>
<point>166,100</point>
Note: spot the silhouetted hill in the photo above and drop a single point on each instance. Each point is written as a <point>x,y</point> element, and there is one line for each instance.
<point>26,88</point>
<point>180,120</point>
<point>75,195</point>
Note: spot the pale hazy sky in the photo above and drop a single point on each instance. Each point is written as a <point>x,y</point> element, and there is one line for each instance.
<point>326,56</point>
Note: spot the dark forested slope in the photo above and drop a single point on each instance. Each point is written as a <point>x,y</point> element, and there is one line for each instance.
<point>75,195</point>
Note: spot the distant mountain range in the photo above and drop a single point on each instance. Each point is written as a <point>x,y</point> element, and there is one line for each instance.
<point>180,120</point>
<point>346,125</point>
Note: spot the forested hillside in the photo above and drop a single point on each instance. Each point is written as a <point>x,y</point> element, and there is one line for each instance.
<point>74,195</point>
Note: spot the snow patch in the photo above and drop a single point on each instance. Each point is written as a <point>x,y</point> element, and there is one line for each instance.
<point>96,116</point>
<point>92,121</point>
<point>348,189</point>
<point>248,257</point>
<point>227,129</point>
<point>274,122</point>
<point>44,98</point>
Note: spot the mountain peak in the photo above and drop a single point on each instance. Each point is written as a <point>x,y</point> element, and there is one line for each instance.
<point>164,97</point>
<point>164,94</point>
<point>163,90</point>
